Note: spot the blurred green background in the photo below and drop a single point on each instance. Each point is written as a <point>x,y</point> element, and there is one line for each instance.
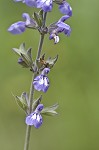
<point>74,81</point>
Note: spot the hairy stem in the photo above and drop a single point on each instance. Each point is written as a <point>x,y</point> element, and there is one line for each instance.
<point>28,129</point>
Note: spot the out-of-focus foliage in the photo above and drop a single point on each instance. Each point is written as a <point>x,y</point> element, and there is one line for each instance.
<point>74,81</point>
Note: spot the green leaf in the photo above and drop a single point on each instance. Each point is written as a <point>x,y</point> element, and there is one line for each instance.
<point>17,51</point>
<point>27,59</point>
<point>21,104</point>
<point>38,19</point>
<point>36,103</point>
<point>25,55</point>
<point>41,14</point>
<point>29,52</point>
<point>50,111</point>
<point>22,101</point>
<point>51,62</point>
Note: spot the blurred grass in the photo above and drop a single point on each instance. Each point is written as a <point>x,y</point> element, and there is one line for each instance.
<point>74,81</point>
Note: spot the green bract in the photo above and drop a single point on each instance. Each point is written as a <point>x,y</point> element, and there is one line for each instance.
<point>50,111</point>
<point>22,101</point>
<point>25,55</point>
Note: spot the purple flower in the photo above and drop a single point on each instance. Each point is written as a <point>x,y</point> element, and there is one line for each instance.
<point>59,27</point>
<point>47,5</point>
<point>63,27</point>
<point>17,28</point>
<point>41,82</point>
<point>35,118</point>
<point>20,26</point>
<point>65,8</point>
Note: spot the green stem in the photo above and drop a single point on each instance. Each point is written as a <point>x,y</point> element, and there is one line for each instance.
<point>40,47</point>
<point>27,137</point>
<point>41,39</point>
<point>28,129</point>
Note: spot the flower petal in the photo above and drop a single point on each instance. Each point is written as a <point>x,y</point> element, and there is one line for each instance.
<point>45,84</point>
<point>30,119</point>
<point>65,8</point>
<point>38,122</point>
<point>31,3</point>
<point>47,6</point>
<point>34,119</point>
<point>38,83</point>
<point>17,28</point>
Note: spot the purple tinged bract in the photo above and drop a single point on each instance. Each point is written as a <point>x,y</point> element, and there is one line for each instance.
<point>35,118</point>
<point>41,82</point>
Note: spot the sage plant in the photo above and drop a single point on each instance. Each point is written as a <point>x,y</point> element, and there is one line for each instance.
<point>40,67</point>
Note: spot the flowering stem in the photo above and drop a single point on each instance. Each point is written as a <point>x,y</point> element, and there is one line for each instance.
<point>41,39</point>
<point>40,47</point>
<point>28,129</point>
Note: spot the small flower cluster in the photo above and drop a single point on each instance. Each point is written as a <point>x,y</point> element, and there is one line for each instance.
<point>40,67</point>
<point>46,5</point>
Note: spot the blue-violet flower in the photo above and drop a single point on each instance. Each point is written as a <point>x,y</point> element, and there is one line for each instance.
<point>41,82</point>
<point>35,117</point>
<point>20,26</point>
<point>65,8</point>
<point>59,27</point>
<point>47,5</point>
